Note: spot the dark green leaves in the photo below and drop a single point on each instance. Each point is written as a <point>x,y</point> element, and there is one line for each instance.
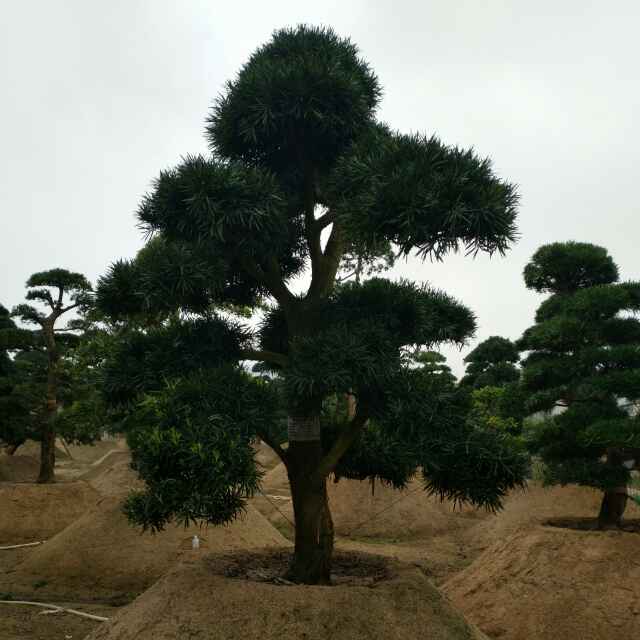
<point>143,362</point>
<point>61,279</point>
<point>191,444</point>
<point>492,363</point>
<point>420,194</point>
<point>204,200</point>
<point>358,335</point>
<point>561,267</point>
<point>166,277</point>
<point>473,465</point>
<point>300,101</point>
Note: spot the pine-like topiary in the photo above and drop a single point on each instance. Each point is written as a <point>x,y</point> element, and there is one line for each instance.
<point>584,362</point>
<point>59,291</point>
<point>302,180</point>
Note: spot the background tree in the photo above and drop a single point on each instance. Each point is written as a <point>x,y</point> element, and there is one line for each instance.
<point>584,357</point>
<point>493,363</point>
<point>301,178</point>
<point>17,410</point>
<point>60,291</point>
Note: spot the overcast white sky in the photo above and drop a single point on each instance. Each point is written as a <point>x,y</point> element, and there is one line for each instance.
<point>97,97</point>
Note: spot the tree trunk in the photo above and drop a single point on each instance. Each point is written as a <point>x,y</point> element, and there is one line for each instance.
<point>614,501</point>
<point>313,550</point>
<point>612,508</point>
<point>48,442</point>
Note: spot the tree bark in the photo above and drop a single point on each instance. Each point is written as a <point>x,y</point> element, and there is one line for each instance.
<point>313,549</point>
<point>48,441</point>
<point>614,501</point>
<point>612,509</point>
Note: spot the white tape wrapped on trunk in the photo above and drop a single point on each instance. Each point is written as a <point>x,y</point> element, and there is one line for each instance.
<point>303,429</point>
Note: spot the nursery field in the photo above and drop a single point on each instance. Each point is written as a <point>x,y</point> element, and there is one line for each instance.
<point>533,571</point>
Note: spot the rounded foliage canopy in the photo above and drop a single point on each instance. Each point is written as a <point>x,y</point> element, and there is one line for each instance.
<point>562,267</point>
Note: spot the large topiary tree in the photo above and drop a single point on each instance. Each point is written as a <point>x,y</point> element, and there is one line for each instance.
<point>584,360</point>
<point>59,291</point>
<point>302,180</point>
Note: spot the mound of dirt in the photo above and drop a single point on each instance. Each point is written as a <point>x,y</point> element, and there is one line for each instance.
<point>380,512</point>
<point>30,512</point>
<point>90,453</point>
<point>18,468</point>
<point>209,599</point>
<point>546,583</point>
<point>114,476</point>
<point>101,556</point>
<point>32,448</point>
<point>536,506</point>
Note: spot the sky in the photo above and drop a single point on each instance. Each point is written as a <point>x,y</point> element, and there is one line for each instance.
<point>98,97</point>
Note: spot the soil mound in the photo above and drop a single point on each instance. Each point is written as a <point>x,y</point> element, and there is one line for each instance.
<point>91,453</point>
<point>114,476</point>
<point>210,599</point>
<point>364,511</point>
<point>547,583</point>
<point>32,448</point>
<point>18,468</point>
<point>30,512</point>
<point>538,505</point>
<point>101,556</point>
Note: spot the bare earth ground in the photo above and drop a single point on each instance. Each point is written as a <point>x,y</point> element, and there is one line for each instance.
<point>19,622</point>
<point>513,574</point>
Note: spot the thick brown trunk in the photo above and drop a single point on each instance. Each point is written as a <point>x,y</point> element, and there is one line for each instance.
<point>614,501</point>
<point>47,454</point>
<point>311,562</point>
<point>612,508</point>
<point>48,442</point>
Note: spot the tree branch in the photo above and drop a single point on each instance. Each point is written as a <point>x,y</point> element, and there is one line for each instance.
<point>324,221</point>
<point>270,442</point>
<point>312,233</point>
<point>271,279</point>
<point>345,278</point>
<point>264,356</point>
<point>322,281</point>
<point>69,307</point>
<point>342,443</point>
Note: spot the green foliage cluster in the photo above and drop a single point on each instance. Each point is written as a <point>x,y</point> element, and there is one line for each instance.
<point>21,388</point>
<point>493,363</point>
<point>192,440</point>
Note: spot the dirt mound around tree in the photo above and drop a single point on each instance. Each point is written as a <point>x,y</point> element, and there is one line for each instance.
<point>364,511</point>
<point>101,556</point>
<point>546,583</point>
<point>18,468</point>
<point>30,512</point>
<point>222,597</point>
<point>536,506</point>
